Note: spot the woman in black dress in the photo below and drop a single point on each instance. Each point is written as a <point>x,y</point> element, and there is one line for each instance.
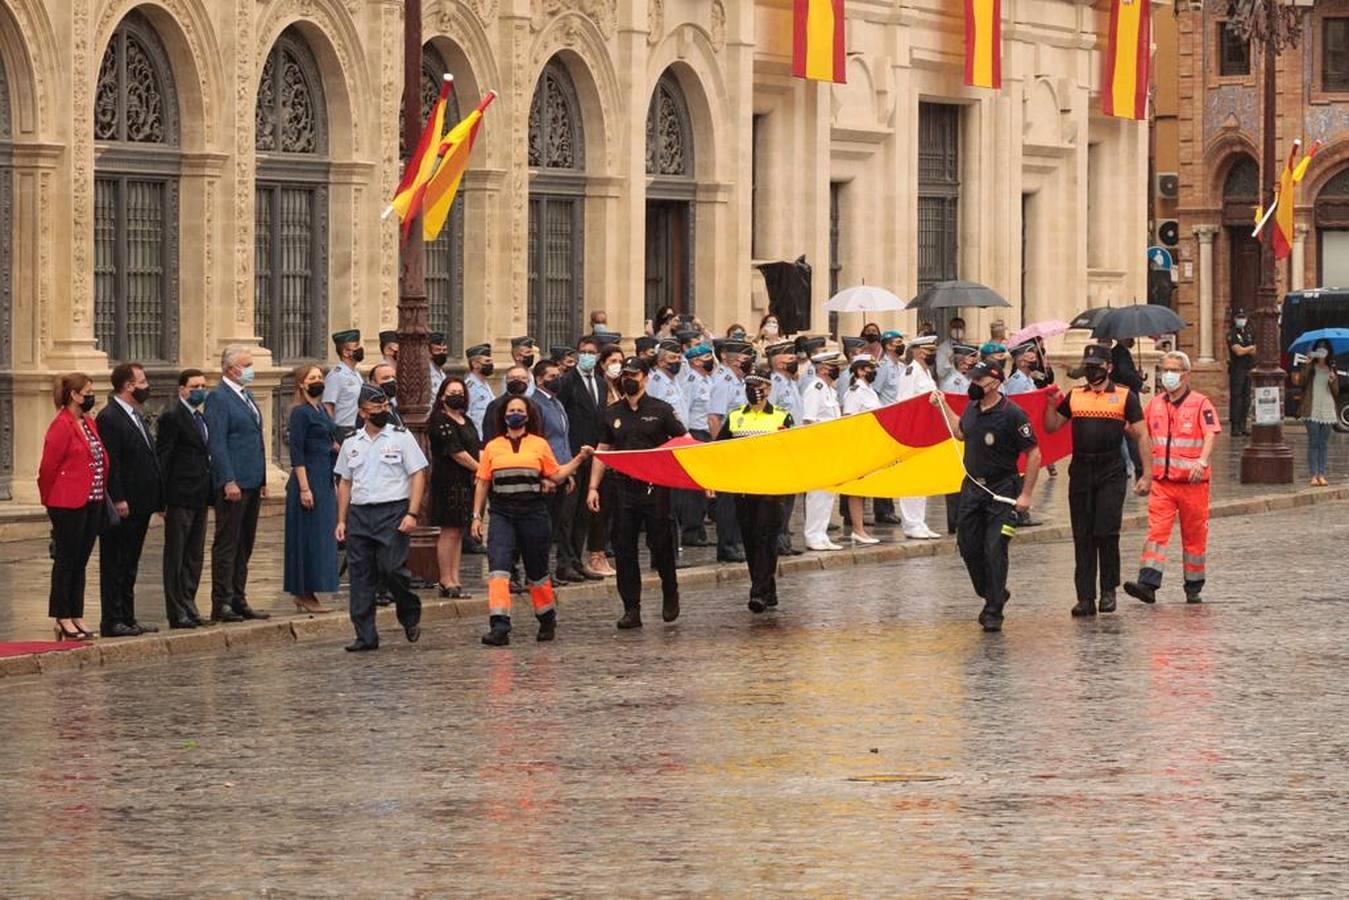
<point>455,446</point>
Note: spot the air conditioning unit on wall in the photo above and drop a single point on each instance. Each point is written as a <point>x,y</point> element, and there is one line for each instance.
<point>1168,185</point>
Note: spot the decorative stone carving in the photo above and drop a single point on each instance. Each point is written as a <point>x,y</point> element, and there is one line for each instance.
<point>602,12</point>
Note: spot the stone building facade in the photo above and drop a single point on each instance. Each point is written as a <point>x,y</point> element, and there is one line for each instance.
<point>179,175</point>
<point>1220,80</point>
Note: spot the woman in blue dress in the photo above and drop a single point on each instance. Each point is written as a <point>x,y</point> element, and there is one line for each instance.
<point>311,499</point>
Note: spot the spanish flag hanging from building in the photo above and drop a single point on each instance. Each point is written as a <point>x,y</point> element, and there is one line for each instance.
<point>983,43</point>
<point>1128,60</point>
<point>817,41</point>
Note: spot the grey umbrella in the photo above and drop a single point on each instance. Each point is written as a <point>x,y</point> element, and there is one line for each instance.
<point>957,295</point>
<point>1138,321</point>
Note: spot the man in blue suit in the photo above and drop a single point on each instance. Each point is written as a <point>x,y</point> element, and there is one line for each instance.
<point>239,477</point>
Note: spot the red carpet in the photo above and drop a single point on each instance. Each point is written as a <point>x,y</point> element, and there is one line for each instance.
<point>20,648</point>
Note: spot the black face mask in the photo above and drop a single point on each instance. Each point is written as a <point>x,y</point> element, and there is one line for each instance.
<point>528,361</point>
<point>379,419</point>
<point>1095,374</point>
<point>755,395</point>
<point>976,392</point>
<point>390,388</point>
<point>440,358</point>
<point>358,354</point>
<point>550,385</point>
<point>792,368</point>
<point>487,370</point>
<point>140,395</point>
<point>631,387</point>
<point>457,401</point>
<point>517,387</point>
<point>87,403</point>
<point>314,390</point>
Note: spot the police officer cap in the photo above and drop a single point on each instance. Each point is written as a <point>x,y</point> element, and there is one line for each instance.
<point>346,337</point>
<point>478,350</point>
<point>964,350</point>
<point>985,367</point>
<point>523,341</point>
<point>388,337</point>
<point>560,353</point>
<point>436,337</point>
<point>924,340</point>
<point>806,344</point>
<point>635,364</point>
<point>696,351</point>
<point>669,346</point>
<point>1095,355</point>
<point>1023,347</point>
<point>757,380</point>
<point>829,358</point>
<point>992,347</point>
<point>780,349</point>
<point>372,393</point>
<point>852,343</point>
<point>645,343</point>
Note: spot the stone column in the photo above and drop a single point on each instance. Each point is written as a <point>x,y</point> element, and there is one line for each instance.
<point>1298,279</point>
<point>1205,234</point>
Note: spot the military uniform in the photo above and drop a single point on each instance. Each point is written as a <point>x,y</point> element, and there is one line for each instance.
<point>380,470</point>
<point>760,516</point>
<point>1239,378</point>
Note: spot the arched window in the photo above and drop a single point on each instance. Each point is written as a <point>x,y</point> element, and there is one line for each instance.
<point>444,255</point>
<point>290,306</point>
<point>136,198</point>
<point>556,208</point>
<point>669,199</point>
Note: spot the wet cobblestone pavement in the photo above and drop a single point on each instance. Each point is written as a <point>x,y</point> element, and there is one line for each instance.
<point>867,739</point>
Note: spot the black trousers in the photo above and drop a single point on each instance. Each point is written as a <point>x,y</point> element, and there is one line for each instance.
<point>760,520</point>
<point>377,556</point>
<point>637,505</point>
<point>119,559</point>
<point>236,528</point>
<point>1239,397</point>
<point>73,534</point>
<point>1096,486</point>
<point>562,515</point>
<point>184,551</point>
<point>985,529</point>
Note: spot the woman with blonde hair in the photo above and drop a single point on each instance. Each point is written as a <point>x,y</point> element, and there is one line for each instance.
<point>311,498</point>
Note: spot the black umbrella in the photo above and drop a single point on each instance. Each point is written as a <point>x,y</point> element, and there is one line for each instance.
<point>1090,318</point>
<point>957,295</point>
<point>1138,321</point>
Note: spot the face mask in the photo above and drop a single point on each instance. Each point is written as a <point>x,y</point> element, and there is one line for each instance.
<point>390,389</point>
<point>706,365</point>
<point>1095,374</point>
<point>197,396</point>
<point>1171,380</point>
<point>456,401</point>
<point>1320,353</point>
<point>770,328</point>
<point>550,385</point>
<point>87,403</point>
<point>631,387</point>
<point>140,395</point>
<point>975,392</point>
<point>755,395</point>
<point>613,370</point>
<point>379,419</point>
<point>440,358</point>
<point>957,333</point>
<point>516,387</point>
<point>792,368</point>
<point>672,368</point>
<point>516,420</point>
<point>314,390</point>
<point>358,354</point>
<point>528,361</point>
<point>585,362</point>
<point>246,375</point>
<point>1241,323</point>
<point>487,370</point>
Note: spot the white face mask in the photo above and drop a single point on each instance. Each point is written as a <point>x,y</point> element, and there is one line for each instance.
<point>613,370</point>
<point>1171,380</point>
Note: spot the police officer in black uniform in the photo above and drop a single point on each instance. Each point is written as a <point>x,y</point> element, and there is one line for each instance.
<point>1241,351</point>
<point>996,432</point>
<point>638,422</point>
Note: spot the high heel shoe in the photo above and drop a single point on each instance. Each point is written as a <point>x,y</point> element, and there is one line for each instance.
<point>304,604</point>
<point>61,634</point>
<point>863,539</point>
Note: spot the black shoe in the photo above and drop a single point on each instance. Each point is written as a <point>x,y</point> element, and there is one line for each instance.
<point>249,612</point>
<point>413,632</point>
<point>1107,604</point>
<point>1193,598</point>
<point>145,629</point>
<point>1145,592</point>
<point>632,618</point>
<point>889,519</point>
<point>225,615</point>
<point>117,629</point>
<point>361,647</point>
<point>669,610</point>
<point>186,623</point>
<point>757,605</point>
<point>1084,608</point>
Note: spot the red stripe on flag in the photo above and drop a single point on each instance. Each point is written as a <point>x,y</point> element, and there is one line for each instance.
<point>840,47</point>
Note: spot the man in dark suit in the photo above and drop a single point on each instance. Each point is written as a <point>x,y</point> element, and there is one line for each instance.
<point>239,479</point>
<point>584,395</point>
<point>185,461</point>
<point>134,489</point>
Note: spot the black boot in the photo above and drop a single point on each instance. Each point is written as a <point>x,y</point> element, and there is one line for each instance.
<point>500,635</point>
<point>548,625</point>
<point>1084,608</point>
<point>632,618</point>
<point>1107,604</point>
<point>1139,591</point>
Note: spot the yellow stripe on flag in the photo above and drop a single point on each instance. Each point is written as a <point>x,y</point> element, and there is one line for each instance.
<point>820,40</point>
<point>1124,91</point>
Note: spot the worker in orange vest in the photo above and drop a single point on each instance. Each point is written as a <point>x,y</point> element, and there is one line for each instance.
<point>1183,426</point>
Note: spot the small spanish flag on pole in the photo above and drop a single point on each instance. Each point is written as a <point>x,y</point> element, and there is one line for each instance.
<point>1128,60</point>
<point>817,41</point>
<point>423,161</point>
<point>444,184</point>
<point>983,43</point>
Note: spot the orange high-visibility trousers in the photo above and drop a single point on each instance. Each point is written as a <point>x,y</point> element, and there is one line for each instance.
<point>1189,501</point>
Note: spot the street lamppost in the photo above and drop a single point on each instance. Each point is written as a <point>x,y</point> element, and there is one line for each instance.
<point>1273,26</point>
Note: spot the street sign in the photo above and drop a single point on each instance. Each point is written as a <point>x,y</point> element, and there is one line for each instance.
<point>1159,258</point>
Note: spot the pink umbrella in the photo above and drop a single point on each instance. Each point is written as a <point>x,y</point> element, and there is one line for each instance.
<point>1046,329</point>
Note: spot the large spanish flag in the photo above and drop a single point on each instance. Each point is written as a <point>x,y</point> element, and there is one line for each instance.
<point>983,43</point>
<point>423,160</point>
<point>1128,60</point>
<point>817,41</point>
<point>444,184</point>
<point>901,450</point>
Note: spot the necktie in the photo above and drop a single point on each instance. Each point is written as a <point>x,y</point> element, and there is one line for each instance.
<point>201,426</point>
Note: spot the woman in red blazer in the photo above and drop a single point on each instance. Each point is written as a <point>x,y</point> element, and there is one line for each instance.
<point>71,482</point>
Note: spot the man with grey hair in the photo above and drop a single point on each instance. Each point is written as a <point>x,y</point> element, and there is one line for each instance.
<point>239,478</point>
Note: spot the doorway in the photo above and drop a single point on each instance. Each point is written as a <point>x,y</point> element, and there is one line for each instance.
<point>668,260</point>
